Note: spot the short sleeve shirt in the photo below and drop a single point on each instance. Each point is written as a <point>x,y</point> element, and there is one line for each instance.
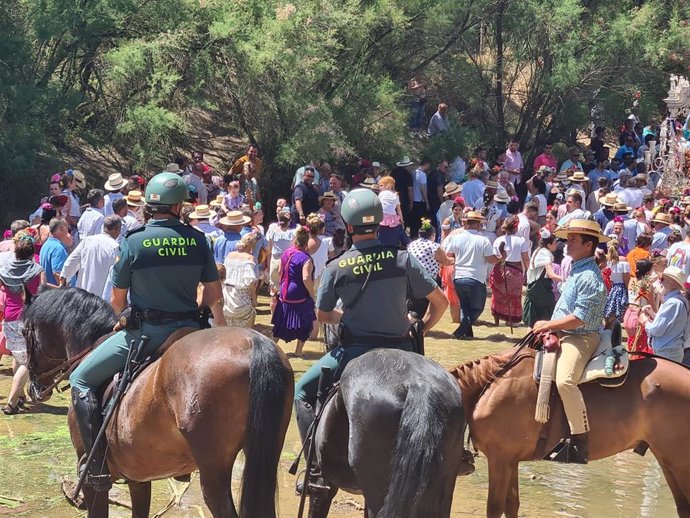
<point>382,308</point>
<point>424,250</point>
<point>162,265</point>
<point>471,250</point>
<point>52,258</point>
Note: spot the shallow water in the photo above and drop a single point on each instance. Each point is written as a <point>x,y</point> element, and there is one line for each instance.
<point>36,453</point>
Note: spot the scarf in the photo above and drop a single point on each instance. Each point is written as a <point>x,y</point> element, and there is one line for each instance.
<point>17,274</point>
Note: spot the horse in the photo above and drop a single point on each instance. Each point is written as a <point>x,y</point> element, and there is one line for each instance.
<point>392,432</point>
<point>212,393</point>
<point>651,408</point>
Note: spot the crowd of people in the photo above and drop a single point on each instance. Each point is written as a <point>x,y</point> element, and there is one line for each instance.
<point>479,227</point>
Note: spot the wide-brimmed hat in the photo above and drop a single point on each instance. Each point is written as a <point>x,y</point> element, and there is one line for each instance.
<point>135,199</point>
<point>677,275</point>
<point>80,179</point>
<point>235,218</point>
<point>621,207</point>
<point>473,216</point>
<point>491,184</point>
<point>328,195</point>
<point>201,212</point>
<point>115,182</point>
<point>376,164</point>
<point>562,176</point>
<point>404,162</point>
<point>218,202</point>
<point>172,167</point>
<point>586,227</point>
<point>641,177</point>
<point>578,176</point>
<point>451,188</point>
<point>370,183</point>
<point>662,217</point>
<point>501,197</point>
<point>609,200</point>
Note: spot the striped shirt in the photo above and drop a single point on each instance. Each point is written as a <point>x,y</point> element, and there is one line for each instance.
<point>583,295</point>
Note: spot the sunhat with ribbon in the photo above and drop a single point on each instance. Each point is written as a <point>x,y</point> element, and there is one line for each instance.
<point>370,183</point>
<point>501,197</point>
<point>621,208</point>
<point>473,216</point>
<point>451,189</point>
<point>404,162</point>
<point>578,176</point>
<point>218,202</point>
<point>115,182</point>
<point>201,212</point>
<point>328,195</point>
<point>675,273</point>
<point>172,167</point>
<point>80,179</point>
<point>586,227</point>
<point>135,199</point>
<point>609,200</point>
<point>662,217</point>
<point>235,218</point>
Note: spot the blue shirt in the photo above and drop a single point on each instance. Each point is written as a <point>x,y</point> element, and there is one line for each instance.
<point>438,124</point>
<point>594,176</point>
<point>583,295</point>
<point>660,238</point>
<point>225,244</point>
<point>667,330</point>
<point>52,258</point>
<point>603,216</point>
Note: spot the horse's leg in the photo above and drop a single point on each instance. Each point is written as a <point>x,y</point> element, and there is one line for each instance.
<point>319,505</point>
<point>96,503</point>
<point>513,496</point>
<point>499,482</point>
<point>680,488</point>
<point>140,493</point>
<point>215,486</point>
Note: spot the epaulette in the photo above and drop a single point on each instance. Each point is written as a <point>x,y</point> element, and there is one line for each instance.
<point>132,232</point>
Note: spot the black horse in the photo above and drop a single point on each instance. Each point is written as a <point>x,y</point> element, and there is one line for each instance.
<point>393,433</point>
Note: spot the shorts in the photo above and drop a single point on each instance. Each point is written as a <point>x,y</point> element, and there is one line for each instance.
<point>15,340</point>
<point>274,275</point>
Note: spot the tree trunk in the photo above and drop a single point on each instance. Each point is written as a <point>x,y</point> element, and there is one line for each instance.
<point>500,115</point>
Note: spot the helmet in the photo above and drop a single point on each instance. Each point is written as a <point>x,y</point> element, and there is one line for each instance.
<point>166,189</point>
<point>362,207</point>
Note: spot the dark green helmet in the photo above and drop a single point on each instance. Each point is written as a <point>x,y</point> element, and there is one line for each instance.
<point>166,189</point>
<point>362,207</point>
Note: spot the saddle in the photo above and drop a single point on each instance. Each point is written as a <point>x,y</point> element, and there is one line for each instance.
<point>108,389</point>
<point>596,368</point>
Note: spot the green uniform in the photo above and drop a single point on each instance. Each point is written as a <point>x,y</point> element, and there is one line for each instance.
<point>379,316</point>
<point>161,264</point>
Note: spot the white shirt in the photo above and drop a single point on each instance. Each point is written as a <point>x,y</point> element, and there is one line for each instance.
<point>575,214</point>
<point>419,180</point>
<point>538,263</point>
<point>524,227</point>
<point>92,258</point>
<point>389,201</point>
<point>632,196</point>
<point>541,198</point>
<point>457,169</point>
<point>515,246</point>
<point>473,191</point>
<point>109,199</point>
<point>202,191</point>
<point>679,255</point>
<point>320,257</point>
<point>90,223</point>
<point>471,250</point>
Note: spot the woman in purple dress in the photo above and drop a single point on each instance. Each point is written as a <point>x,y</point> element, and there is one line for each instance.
<point>293,318</point>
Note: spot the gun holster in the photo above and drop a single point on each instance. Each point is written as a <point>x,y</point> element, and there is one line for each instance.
<point>130,318</point>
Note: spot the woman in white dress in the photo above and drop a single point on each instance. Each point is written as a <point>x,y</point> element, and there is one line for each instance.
<point>238,285</point>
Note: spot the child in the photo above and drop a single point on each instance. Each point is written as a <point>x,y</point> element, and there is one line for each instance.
<point>391,231</point>
<point>233,200</point>
<point>617,300</point>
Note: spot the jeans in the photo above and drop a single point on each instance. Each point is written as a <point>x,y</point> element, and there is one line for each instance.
<point>686,357</point>
<point>472,296</point>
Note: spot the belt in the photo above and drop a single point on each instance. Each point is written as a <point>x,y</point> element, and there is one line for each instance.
<point>347,339</point>
<point>155,316</point>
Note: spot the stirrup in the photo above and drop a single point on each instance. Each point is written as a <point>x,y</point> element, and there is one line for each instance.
<point>316,487</point>
<point>99,483</point>
<point>565,452</point>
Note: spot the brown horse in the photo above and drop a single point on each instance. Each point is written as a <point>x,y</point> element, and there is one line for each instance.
<point>212,393</point>
<point>652,406</point>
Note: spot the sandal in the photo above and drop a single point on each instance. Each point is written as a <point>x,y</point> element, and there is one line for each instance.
<point>21,402</point>
<point>10,410</point>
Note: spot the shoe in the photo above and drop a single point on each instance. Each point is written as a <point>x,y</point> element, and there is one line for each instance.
<point>87,409</point>
<point>9,409</point>
<point>571,450</point>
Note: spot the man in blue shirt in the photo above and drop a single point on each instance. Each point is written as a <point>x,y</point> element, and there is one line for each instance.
<point>439,120</point>
<point>54,251</point>
<point>667,327</point>
<point>232,223</point>
<point>577,319</point>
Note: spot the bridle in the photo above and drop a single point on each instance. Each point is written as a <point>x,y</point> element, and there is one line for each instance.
<point>63,371</point>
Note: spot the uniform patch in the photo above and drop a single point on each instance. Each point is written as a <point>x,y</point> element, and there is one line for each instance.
<point>155,197</point>
<point>368,219</point>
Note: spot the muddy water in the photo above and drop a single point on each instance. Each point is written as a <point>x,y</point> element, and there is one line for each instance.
<point>36,453</point>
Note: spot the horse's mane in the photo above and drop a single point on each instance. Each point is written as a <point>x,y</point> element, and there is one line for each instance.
<point>475,376</point>
<point>68,319</point>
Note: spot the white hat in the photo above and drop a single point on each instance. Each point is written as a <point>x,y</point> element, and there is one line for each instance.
<point>172,167</point>
<point>404,162</point>
<point>677,275</point>
<point>115,182</point>
<point>375,164</point>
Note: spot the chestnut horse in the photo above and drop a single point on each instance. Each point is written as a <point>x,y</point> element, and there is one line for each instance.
<point>652,407</point>
<point>213,393</point>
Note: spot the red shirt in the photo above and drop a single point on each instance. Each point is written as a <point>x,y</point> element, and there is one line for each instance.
<point>544,159</point>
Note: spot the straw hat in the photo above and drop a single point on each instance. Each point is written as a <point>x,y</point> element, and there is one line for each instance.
<point>621,208</point>
<point>235,218</point>
<point>80,178</point>
<point>675,273</point>
<point>328,195</point>
<point>473,216</point>
<point>134,199</point>
<point>404,162</point>
<point>201,212</point>
<point>115,182</point>
<point>662,217</point>
<point>609,200</point>
<point>545,169</point>
<point>502,197</point>
<point>491,184</point>
<point>641,177</point>
<point>578,176</point>
<point>218,202</point>
<point>581,226</point>
<point>370,183</point>
<point>562,176</point>
<point>172,167</point>
<point>451,188</point>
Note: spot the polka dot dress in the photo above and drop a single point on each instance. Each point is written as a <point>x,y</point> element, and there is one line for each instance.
<point>424,250</point>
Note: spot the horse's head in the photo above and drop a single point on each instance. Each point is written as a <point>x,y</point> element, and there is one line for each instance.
<point>46,363</point>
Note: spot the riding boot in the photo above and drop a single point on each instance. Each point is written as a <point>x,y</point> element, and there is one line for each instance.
<point>305,417</point>
<point>580,443</point>
<point>571,450</point>
<point>87,409</point>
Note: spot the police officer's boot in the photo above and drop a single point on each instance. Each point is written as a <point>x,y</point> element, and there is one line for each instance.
<point>87,409</point>
<point>305,417</point>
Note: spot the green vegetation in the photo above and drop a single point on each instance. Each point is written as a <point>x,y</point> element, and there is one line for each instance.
<point>314,78</point>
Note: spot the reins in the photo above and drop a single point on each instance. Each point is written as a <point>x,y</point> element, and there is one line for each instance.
<point>65,369</point>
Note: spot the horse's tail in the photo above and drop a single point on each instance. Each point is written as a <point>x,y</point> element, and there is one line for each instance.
<point>269,382</point>
<point>417,455</point>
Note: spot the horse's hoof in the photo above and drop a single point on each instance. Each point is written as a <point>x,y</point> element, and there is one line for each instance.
<point>68,488</point>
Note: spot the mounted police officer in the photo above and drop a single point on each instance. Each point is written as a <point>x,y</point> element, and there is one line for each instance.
<point>372,281</point>
<point>161,265</point>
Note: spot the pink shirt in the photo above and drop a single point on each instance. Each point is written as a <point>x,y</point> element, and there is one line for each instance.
<point>14,303</point>
<point>543,159</point>
<point>514,163</point>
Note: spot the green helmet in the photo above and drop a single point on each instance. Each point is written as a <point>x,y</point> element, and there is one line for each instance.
<point>166,189</point>
<point>362,207</point>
